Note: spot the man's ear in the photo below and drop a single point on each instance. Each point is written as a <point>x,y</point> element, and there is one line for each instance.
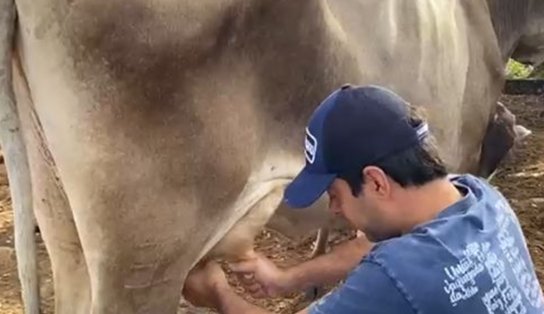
<point>376,181</point>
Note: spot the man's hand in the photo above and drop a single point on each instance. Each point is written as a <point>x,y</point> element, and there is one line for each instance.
<point>207,286</point>
<point>203,283</point>
<point>262,278</point>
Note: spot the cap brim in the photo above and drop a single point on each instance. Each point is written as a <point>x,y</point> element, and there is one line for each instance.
<point>306,188</point>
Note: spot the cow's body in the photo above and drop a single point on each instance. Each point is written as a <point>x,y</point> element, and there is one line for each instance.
<point>152,128</point>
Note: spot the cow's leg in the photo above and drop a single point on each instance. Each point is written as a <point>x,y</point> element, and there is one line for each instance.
<point>139,243</point>
<point>16,160</point>
<point>321,241</point>
<point>114,247</point>
<point>320,248</point>
<point>131,271</point>
<point>52,211</point>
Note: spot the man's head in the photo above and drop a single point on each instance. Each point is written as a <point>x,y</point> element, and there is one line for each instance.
<point>367,148</point>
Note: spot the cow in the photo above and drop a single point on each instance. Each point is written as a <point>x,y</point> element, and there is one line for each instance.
<point>149,136</point>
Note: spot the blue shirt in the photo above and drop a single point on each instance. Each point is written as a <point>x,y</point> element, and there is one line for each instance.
<point>472,258</point>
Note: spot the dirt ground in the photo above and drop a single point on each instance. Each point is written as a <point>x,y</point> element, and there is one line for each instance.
<point>521,179</point>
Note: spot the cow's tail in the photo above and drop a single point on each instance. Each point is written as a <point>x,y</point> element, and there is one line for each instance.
<point>16,161</point>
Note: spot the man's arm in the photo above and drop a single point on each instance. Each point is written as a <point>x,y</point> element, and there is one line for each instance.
<point>271,281</point>
<point>368,290</point>
<point>329,268</point>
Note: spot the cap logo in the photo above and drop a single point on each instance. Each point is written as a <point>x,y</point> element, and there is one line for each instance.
<point>310,145</point>
<point>422,131</point>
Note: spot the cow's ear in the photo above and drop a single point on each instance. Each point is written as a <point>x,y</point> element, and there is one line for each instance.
<point>521,132</point>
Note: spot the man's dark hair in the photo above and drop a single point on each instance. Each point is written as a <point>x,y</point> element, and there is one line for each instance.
<point>414,166</point>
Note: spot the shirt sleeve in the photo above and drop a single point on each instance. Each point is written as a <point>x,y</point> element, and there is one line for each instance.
<point>368,290</point>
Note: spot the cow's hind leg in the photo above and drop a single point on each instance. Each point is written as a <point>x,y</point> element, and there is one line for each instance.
<point>52,210</point>
<point>139,244</point>
<point>102,263</point>
<point>107,255</point>
<point>320,248</point>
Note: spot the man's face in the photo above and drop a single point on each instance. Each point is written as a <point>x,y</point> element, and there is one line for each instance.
<point>371,211</point>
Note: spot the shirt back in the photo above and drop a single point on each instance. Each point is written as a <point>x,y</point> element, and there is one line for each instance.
<point>471,259</point>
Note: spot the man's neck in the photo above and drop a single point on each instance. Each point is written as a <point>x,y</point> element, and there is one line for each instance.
<point>424,203</point>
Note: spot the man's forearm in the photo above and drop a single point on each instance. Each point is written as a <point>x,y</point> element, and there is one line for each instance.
<point>331,267</point>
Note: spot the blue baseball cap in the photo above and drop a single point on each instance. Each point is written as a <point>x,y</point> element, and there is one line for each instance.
<point>352,128</point>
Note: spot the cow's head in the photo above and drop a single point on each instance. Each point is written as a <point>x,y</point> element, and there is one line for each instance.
<point>519,27</point>
<point>530,48</point>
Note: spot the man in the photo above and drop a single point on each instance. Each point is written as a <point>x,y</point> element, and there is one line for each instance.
<point>443,244</point>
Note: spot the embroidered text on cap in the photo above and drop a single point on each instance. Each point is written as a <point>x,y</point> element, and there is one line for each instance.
<point>310,144</point>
